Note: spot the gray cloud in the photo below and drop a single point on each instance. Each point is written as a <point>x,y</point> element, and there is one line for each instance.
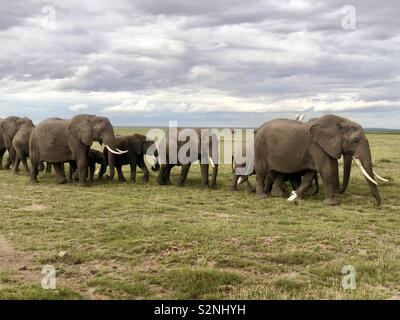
<point>201,55</point>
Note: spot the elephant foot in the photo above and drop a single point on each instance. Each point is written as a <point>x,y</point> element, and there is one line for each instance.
<point>121,179</point>
<point>235,188</point>
<point>83,184</point>
<point>213,186</point>
<point>27,173</point>
<point>61,180</point>
<point>253,190</point>
<point>331,202</point>
<point>133,180</point>
<point>261,195</point>
<point>278,193</point>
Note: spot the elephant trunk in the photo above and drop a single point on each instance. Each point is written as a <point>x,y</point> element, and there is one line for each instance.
<point>346,171</point>
<point>364,157</point>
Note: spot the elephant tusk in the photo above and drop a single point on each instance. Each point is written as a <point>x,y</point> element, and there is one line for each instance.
<point>211,162</point>
<point>365,173</point>
<point>122,151</point>
<point>112,151</point>
<point>379,177</point>
<point>292,197</point>
<point>240,180</point>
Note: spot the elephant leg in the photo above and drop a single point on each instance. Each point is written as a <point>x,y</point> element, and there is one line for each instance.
<point>2,151</point>
<point>16,165</point>
<point>60,176</point>
<point>41,166</point>
<point>249,187</point>
<point>48,167</point>
<point>145,171</point>
<point>183,175</point>
<point>92,169</point>
<point>25,164</point>
<point>213,184</point>
<point>167,176</point>
<point>103,169</point>
<point>278,189</point>
<point>329,181</point>
<point>82,164</point>
<point>295,180</point>
<point>260,187</point>
<point>8,163</point>
<point>34,171</point>
<point>121,177</point>
<point>305,184</point>
<point>316,183</point>
<point>133,172</point>
<point>335,173</point>
<point>204,174</point>
<point>235,182</point>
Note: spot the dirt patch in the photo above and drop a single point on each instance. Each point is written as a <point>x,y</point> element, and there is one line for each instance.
<point>16,264</point>
<point>23,270</point>
<point>33,207</point>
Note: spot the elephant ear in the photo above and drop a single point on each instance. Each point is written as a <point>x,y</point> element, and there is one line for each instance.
<point>327,133</point>
<point>10,127</point>
<point>81,128</point>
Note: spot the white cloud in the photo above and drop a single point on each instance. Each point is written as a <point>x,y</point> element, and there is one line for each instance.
<point>186,56</point>
<point>78,107</point>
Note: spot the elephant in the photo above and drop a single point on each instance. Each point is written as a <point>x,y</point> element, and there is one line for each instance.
<point>94,156</point>
<point>274,180</point>
<point>20,144</point>
<point>290,146</point>
<point>137,146</point>
<point>3,149</point>
<point>8,128</point>
<point>274,183</point>
<point>57,141</point>
<point>204,153</point>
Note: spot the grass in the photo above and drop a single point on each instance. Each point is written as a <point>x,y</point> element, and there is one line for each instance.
<point>135,241</point>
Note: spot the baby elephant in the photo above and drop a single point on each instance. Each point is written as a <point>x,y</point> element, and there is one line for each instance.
<point>94,157</point>
<point>137,146</point>
<point>275,182</point>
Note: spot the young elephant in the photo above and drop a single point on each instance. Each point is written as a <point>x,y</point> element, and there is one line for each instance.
<point>20,144</point>
<point>137,146</point>
<point>274,181</point>
<point>94,157</point>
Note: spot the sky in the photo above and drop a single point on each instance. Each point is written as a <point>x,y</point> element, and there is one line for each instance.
<point>202,63</point>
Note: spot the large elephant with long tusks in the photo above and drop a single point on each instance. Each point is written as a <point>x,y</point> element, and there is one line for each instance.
<point>57,141</point>
<point>289,146</point>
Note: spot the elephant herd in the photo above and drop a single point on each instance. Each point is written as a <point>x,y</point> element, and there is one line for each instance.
<point>284,150</point>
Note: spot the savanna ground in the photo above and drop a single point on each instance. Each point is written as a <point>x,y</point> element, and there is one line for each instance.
<point>135,241</point>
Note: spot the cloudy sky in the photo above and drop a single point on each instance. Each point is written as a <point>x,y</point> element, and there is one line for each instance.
<point>205,63</point>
